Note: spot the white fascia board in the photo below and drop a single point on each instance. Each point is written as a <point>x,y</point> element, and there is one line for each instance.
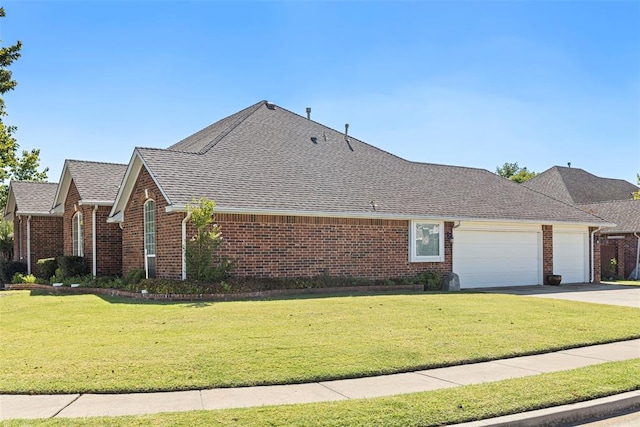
<point>57,210</point>
<point>63,187</point>
<point>118,217</point>
<point>126,188</point>
<point>25,213</point>
<point>96,202</point>
<point>129,179</point>
<point>376,215</point>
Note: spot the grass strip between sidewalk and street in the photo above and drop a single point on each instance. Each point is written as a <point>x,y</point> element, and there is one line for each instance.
<point>85,343</point>
<point>440,407</point>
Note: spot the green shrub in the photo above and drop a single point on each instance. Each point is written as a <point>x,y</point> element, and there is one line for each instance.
<point>46,268</point>
<point>21,278</point>
<point>135,276</point>
<point>9,268</point>
<point>72,266</point>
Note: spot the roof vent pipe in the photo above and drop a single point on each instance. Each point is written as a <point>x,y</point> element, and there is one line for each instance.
<point>308,113</point>
<point>346,136</point>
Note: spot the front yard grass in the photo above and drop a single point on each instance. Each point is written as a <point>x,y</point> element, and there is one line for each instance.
<point>85,343</point>
<point>440,407</point>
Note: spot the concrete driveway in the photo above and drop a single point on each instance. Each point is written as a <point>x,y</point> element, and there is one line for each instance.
<point>628,296</point>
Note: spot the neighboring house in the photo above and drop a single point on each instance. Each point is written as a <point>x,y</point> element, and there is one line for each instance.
<point>296,198</point>
<point>37,233</point>
<point>84,198</point>
<point>607,198</point>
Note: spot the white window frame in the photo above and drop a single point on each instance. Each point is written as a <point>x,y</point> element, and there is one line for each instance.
<point>148,255</point>
<point>413,256</point>
<point>77,235</point>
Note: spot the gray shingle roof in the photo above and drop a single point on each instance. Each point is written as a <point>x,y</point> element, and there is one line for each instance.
<point>624,213</point>
<point>95,180</point>
<point>275,160</point>
<point>33,197</point>
<point>576,186</point>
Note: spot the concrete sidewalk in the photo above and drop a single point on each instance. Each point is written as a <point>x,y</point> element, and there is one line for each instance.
<point>92,405</point>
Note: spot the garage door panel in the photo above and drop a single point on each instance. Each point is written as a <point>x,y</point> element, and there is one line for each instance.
<point>496,258</point>
<point>570,256</point>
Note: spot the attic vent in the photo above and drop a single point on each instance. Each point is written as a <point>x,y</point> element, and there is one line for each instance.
<point>271,105</point>
<point>314,139</point>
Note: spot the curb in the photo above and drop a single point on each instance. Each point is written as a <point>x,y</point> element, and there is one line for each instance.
<point>565,414</point>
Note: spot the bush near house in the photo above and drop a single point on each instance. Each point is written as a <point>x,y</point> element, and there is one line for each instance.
<point>72,266</point>
<point>9,268</point>
<point>46,268</point>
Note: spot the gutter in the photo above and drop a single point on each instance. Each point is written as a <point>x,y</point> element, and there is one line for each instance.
<point>380,215</point>
<point>29,244</point>
<point>94,243</point>
<point>637,254</point>
<point>184,245</point>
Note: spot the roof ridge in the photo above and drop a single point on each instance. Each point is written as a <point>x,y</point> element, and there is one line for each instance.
<point>248,112</point>
<point>572,205</point>
<point>96,162</point>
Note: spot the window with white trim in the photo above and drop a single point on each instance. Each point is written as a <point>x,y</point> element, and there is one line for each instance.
<point>77,237</point>
<point>150,238</point>
<point>426,241</point>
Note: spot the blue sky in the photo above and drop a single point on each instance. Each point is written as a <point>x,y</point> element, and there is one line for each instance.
<point>463,83</point>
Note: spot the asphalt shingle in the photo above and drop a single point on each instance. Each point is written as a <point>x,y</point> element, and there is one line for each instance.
<point>95,180</point>
<point>624,213</point>
<point>576,186</point>
<point>33,197</point>
<point>274,160</point>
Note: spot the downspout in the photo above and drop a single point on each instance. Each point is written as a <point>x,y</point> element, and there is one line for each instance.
<point>637,254</point>
<point>593,261</point>
<point>94,244</point>
<point>29,244</point>
<point>184,245</point>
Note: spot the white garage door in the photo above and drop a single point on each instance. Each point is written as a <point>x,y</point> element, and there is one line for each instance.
<point>491,256</point>
<point>570,254</point>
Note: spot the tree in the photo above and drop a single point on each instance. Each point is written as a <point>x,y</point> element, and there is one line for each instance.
<point>13,166</point>
<point>202,247</point>
<point>636,195</point>
<point>514,172</point>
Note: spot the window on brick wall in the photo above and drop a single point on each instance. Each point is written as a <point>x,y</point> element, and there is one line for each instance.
<point>77,236</point>
<point>426,241</point>
<point>150,238</point>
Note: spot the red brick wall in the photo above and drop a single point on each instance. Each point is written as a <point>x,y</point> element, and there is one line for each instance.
<point>595,262</point>
<point>279,246</point>
<point>547,252</point>
<point>293,246</point>
<point>168,231</point>
<point>46,238</point>
<point>108,244</point>
<point>108,236</point>
<point>626,250</point>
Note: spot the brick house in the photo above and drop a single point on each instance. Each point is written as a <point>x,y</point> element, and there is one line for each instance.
<point>607,198</point>
<point>296,198</point>
<point>37,232</point>
<point>84,199</point>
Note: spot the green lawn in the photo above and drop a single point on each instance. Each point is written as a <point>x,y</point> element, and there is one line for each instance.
<point>84,343</point>
<point>434,408</point>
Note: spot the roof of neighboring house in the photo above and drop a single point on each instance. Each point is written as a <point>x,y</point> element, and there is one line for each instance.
<point>576,186</point>
<point>97,182</point>
<point>624,213</point>
<point>266,159</point>
<point>29,198</point>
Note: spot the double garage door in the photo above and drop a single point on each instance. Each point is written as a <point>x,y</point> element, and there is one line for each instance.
<point>493,255</point>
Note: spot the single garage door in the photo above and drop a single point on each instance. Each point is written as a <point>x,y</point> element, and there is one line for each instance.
<point>492,256</point>
<point>571,254</point>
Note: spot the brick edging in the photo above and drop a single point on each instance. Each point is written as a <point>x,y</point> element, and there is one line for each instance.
<point>211,297</point>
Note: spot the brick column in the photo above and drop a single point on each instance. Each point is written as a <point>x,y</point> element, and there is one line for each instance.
<point>547,252</point>
<point>596,257</point>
